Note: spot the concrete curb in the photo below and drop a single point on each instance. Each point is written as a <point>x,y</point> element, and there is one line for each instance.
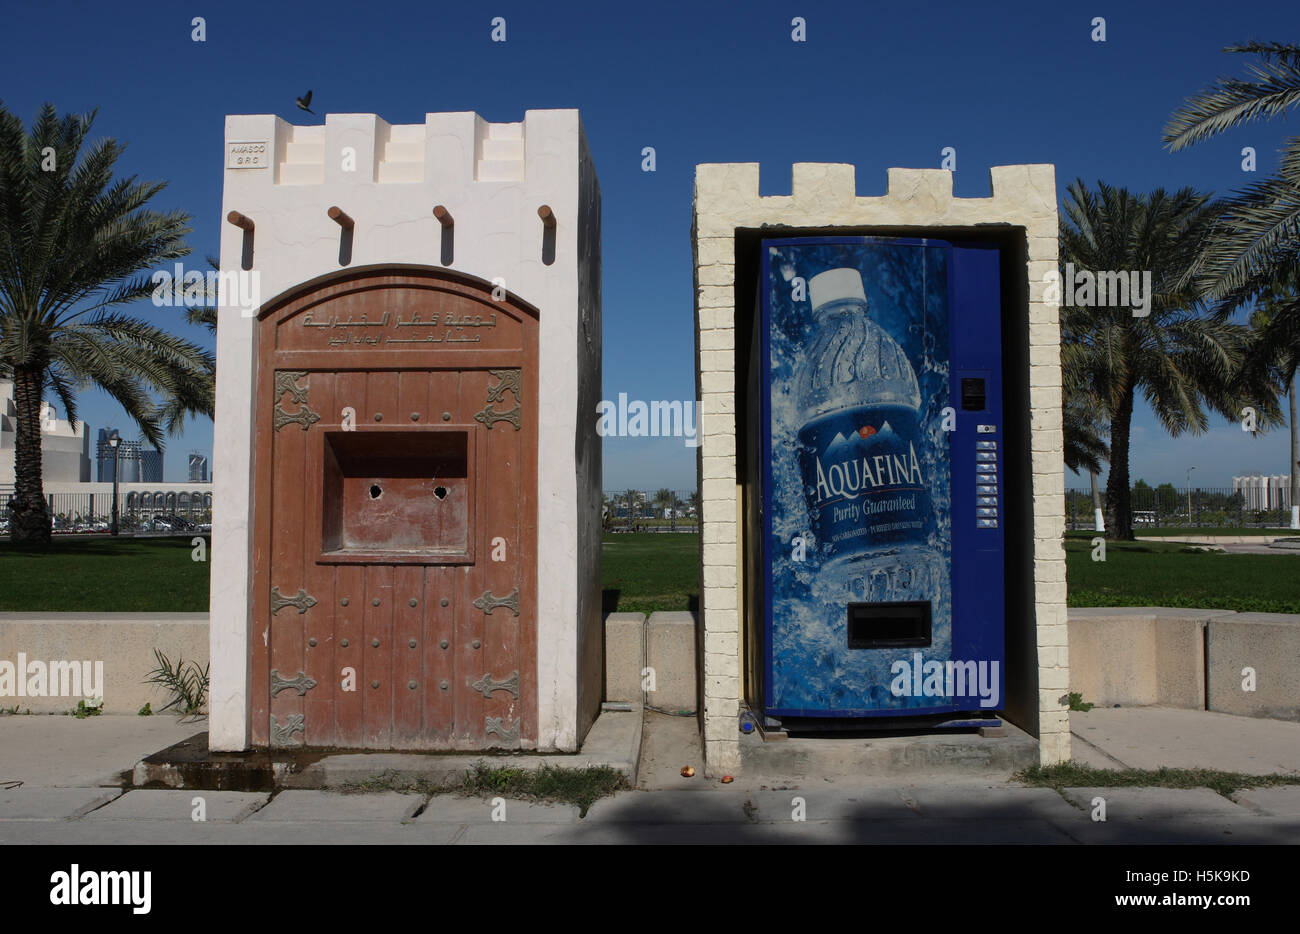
<point>614,741</point>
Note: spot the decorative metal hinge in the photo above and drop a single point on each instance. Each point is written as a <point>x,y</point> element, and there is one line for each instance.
<point>487,603</point>
<point>286,381</point>
<point>511,380</point>
<point>486,685</point>
<point>496,725</point>
<point>302,600</point>
<point>302,684</point>
<point>281,735</point>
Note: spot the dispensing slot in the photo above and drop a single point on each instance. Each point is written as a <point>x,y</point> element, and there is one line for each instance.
<point>889,625</point>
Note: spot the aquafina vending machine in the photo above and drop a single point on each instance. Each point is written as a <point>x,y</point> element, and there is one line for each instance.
<point>882,487</point>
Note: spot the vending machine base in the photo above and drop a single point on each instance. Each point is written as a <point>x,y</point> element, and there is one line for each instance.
<point>934,722</point>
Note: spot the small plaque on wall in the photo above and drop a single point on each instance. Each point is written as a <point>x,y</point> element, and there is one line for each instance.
<point>250,154</point>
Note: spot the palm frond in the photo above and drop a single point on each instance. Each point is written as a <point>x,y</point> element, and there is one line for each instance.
<point>1271,89</point>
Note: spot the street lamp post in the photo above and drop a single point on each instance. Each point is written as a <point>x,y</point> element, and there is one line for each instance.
<point>113,442</point>
<point>1189,494</point>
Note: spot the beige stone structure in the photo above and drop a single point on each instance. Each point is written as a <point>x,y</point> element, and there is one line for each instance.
<point>1021,215</point>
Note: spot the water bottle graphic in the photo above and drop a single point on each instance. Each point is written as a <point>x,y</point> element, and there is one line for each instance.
<point>860,451</point>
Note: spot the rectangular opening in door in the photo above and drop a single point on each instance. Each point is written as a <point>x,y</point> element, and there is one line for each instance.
<point>404,496</point>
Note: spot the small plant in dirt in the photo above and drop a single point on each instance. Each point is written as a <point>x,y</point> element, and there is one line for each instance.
<point>1077,702</point>
<point>185,682</point>
<point>14,711</point>
<point>91,708</point>
<point>581,787</point>
<point>146,710</point>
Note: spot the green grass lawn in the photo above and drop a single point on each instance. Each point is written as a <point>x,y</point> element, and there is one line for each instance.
<point>642,573</point>
<point>104,575</point>
<point>1157,574</point>
<point>651,571</point>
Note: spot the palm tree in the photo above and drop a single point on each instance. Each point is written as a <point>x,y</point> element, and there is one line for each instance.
<point>1179,358</point>
<point>1253,251</point>
<point>1261,223</point>
<point>196,397</point>
<point>1275,356</point>
<point>74,244</point>
<point>1085,445</point>
<point>1085,448</point>
<point>633,499</point>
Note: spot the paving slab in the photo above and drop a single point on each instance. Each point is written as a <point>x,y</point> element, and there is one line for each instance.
<point>64,752</point>
<point>165,832</point>
<point>1182,832</point>
<point>907,831</point>
<point>1278,801</point>
<point>444,809</point>
<point>159,804</point>
<point>829,803</point>
<point>298,806</point>
<point>1152,737</point>
<point>671,807</point>
<point>669,742</point>
<point>52,803</point>
<point>987,803</point>
<point>1157,804</point>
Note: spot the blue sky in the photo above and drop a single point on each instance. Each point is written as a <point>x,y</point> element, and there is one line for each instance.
<point>876,85</point>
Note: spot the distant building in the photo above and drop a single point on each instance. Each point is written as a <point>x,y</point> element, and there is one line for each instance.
<point>76,498</point>
<point>137,463</point>
<point>198,467</point>
<point>65,448</point>
<point>1261,492</point>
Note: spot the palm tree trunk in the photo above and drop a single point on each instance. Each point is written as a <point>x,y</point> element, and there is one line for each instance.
<point>1098,514</point>
<point>1295,456</point>
<point>28,514</point>
<point>1119,497</point>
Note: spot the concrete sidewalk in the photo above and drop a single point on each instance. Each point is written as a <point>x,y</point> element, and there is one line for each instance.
<point>48,750</point>
<point>921,813</point>
<point>71,794</point>
<point>1152,737</point>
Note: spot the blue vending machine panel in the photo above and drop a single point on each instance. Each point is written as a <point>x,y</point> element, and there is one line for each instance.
<point>882,518</point>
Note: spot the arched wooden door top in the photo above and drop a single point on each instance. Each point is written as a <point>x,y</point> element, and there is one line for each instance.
<point>344,281</point>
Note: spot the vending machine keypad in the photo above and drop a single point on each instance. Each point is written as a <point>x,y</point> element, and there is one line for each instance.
<point>986,481</point>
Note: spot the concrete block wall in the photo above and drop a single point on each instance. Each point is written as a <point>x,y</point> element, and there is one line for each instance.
<point>624,657</point>
<point>1269,645</point>
<point>121,643</point>
<point>1136,656</point>
<point>1188,658</point>
<point>492,178</point>
<point>824,196</point>
<point>664,644</point>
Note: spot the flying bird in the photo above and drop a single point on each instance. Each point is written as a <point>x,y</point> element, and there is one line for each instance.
<point>304,103</point>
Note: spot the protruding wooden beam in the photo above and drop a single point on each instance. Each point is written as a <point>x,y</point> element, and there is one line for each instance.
<point>337,215</point>
<point>443,215</point>
<point>241,221</point>
<point>547,216</point>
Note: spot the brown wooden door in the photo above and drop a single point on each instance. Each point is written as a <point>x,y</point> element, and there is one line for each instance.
<point>395,517</point>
